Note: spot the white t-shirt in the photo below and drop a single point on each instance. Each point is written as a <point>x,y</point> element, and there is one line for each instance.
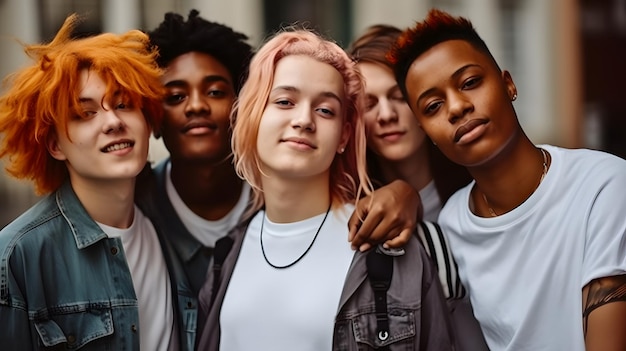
<point>293,308</point>
<point>525,270</point>
<point>151,281</point>
<point>205,231</point>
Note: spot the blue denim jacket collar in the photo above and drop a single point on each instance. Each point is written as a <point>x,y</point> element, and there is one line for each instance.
<point>86,232</point>
<point>184,243</point>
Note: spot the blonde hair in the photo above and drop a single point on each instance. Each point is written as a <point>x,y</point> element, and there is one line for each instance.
<point>43,97</point>
<point>348,172</point>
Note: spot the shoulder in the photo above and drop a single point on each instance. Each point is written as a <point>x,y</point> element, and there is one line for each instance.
<point>35,220</point>
<point>587,161</point>
<point>586,174</point>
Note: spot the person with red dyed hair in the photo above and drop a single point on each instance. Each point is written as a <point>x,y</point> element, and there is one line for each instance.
<point>84,268</point>
<point>540,234</point>
<point>290,280</point>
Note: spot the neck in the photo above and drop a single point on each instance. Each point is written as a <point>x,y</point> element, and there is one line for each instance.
<point>507,181</point>
<point>414,170</point>
<point>295,199</point>
<point>107,202</point>
<point>210,191</point>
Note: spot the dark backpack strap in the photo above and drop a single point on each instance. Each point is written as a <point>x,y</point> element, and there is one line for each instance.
<point>222,248</point>
<point>380,271</point>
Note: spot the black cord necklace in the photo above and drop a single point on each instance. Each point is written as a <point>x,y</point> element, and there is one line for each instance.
<point>303,254</point>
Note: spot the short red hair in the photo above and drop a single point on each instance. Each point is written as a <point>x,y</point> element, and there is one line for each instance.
<point>437,27</point>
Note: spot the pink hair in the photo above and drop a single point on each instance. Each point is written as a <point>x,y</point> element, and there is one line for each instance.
<point>348,172</point>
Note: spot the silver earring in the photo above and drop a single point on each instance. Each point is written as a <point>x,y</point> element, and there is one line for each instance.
<point>342,150</point>
<point>514,97</point>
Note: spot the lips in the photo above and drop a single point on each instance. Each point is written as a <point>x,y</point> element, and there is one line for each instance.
<point>391,134</point>
<point>301,141</point>
<point>468,127</point>
<point>198,124</point>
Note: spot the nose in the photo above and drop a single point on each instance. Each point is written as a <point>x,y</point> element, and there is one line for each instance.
<point>196,104</point>
<point>459,106</point>
<point>303,119</point>
<point>113,123</point>
<point>386,112</point>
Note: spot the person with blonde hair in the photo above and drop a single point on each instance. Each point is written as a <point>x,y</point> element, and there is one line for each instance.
<point>84,268</point>
<point>288,280</point>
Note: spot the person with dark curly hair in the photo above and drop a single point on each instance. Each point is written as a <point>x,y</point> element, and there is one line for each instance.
<point>198,196</point>
<point>84,268</point>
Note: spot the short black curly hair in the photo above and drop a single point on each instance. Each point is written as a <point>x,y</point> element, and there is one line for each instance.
<point>175,37</point>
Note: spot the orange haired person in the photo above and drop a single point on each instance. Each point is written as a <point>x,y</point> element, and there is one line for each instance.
<point>83,268</point>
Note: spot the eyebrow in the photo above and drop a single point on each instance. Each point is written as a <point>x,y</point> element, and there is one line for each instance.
<point>87,99</point>
<point>207,79</point>
<point>84,100</point>
<point>454,75</point>
<point>329,94</point>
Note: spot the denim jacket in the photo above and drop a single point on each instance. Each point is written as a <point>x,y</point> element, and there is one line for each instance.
<point>194,256</point>
<point>418,315</point>
<point>65,285</point>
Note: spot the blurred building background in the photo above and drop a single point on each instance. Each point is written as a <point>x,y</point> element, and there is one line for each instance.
<point>567,57</point>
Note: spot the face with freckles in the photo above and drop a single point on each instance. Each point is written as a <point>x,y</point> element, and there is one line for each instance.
<point>106,140</point>
<point>197,107</point>
<point>463,102</point>
<point>302,127</point>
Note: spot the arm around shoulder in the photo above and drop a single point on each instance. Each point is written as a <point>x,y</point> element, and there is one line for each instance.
<point>388,215</point>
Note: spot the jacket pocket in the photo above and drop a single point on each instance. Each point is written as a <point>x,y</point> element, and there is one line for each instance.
<point>75,329</point>
<point>402,329</point>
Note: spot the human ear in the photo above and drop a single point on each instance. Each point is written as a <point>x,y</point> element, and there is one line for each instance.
<point>54,149</point>
<point>346,132</point>
<point>511,89</point>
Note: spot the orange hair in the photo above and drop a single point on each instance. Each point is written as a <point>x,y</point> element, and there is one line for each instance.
<point>348,172</point>
<point>43,97</point>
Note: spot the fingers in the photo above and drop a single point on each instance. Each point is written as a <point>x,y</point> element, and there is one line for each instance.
<point>354,223</point>
<point>400,240</point>
<point>364,247</point>
<point>368,230</point>
<point>388,217</point>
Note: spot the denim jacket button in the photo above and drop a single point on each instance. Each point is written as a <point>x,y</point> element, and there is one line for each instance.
<point>71,339</point>
<point>133,328</point>
<point>114,250</point>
